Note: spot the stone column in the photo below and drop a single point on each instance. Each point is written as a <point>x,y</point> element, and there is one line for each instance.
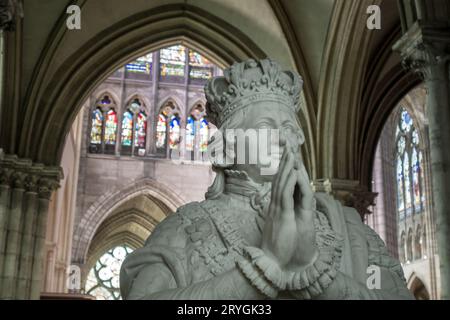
<point>152,120</point>
<point>13,238</point>
<point>25,192</point>
<point>46,188</point>
<point>5,194</point>
<point>26,257</point>
<point>425,48</point>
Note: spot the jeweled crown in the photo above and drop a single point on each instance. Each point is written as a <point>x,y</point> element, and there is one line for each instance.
<point>248,82</point>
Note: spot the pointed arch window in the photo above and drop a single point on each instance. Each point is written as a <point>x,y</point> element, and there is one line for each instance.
<point>161,129</point>
<point>168,130</point>
<point>141,132</point>
<point>402,251</point>
<point>103,129</point>
<point>103,278</point>
<point>97,127</point>
<point>174,133</point>
<point>409,247</point>
<point>110,131</point>
<point>418,243</point>
<point>190,134</point>
<point>197,133</point>
<point>127,132</point>
<point>410,191</point>
<point>204,135</point>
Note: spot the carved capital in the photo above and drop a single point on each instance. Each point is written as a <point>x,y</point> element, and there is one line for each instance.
<point>9,11</point>
<point>31,183</point>
<point>46,187</point>
<point>362,201</point>
<point>5,176</point>
<point>349,193</point>
<point>424,50</point>
<point>24,174</point>
<point>18,180</point>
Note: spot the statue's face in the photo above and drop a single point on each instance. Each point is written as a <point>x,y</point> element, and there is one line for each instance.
<point>283,132</point>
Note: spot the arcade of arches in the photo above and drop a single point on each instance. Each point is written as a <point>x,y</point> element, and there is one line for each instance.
<point>104,130</point>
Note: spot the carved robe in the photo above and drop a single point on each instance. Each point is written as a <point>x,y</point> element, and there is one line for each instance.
<point>203,240</point>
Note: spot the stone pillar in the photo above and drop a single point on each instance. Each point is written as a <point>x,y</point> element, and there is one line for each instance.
<point>5,194</point>
<point>45,191</point>
<point>13,238</point>
<point>152,120</point>
<point>26,258</point>
<point>425,48</point>
<point>350,193</point>
<point>25,189</point>
<point>9,10</point>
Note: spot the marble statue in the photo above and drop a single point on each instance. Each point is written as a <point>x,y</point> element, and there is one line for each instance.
<point>262,236</point>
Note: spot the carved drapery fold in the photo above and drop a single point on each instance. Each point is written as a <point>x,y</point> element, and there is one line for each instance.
<point>25,191</point>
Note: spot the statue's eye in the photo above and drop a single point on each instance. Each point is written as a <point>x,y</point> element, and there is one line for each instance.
<point>289,128</point>
<point>264,125</point>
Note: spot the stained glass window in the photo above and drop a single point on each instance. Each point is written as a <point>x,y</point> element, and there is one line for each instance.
<point>400,186</point>
<point>204,135</point>
<point>111,128</point>
<point>407,177</point>
<point>406,121</point>
<point>174,134</point>
<point>161,130</point>
<point>416,179</point>
<point>173,60</point>
<point>97,127</point>
<point>127,129</point>
<point>410,191</point>
<point>422,178</point>
<point>141,65</point>
<point>106,101</point>
<point>103,279</point>
<point>141,130</point>
<point>190,134</point>
<point>200,67</point>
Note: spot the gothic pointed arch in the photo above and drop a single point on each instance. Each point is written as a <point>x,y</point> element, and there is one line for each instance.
<point>166,198</point>
<point>65,87</point>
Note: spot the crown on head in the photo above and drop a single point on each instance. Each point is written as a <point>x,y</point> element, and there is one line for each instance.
<point>249,82</point>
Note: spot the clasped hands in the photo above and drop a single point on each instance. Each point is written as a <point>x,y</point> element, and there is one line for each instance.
<point>289,237</point>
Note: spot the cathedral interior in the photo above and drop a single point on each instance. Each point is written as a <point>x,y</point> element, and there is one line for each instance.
<point>104,128</point>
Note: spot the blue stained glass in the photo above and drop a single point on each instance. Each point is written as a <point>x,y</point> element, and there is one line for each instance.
<point>174,134</point>
<point>190,134</point>
<point>400,185</point>
<point>407,179</point>
<point>204,135</point>
<point>406,121</point>
<point>106,100</point>
<point>127,129</point>
<point>401,145</point>
<point>143,64</point>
